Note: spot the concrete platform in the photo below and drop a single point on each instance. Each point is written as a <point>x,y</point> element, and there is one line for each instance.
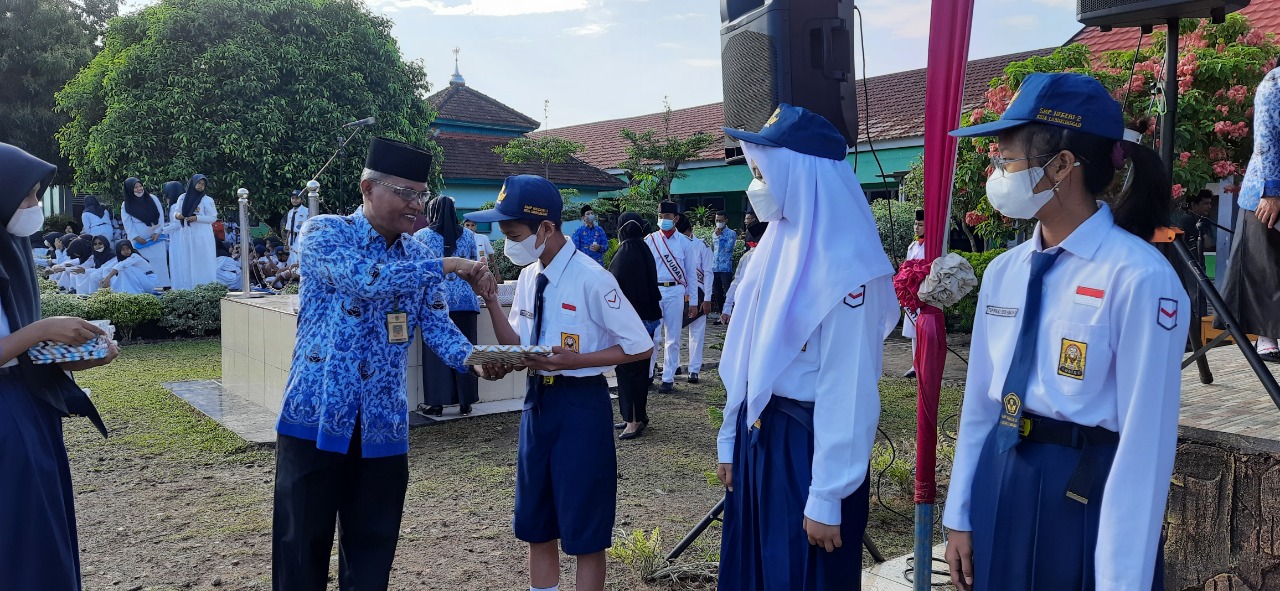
<point>892,575</point>
<point>1234,410</point>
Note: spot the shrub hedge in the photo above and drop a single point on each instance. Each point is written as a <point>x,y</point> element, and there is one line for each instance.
<point>960,316</point>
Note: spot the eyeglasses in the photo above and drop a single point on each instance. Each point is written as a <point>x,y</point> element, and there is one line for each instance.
<point>1000,162</point>
<point>406,194</point>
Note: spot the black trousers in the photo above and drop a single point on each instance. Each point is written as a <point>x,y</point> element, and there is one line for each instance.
<point>719,288</point>
<point>442,385</point>
<point>316,489</point>
<point>633,391</point>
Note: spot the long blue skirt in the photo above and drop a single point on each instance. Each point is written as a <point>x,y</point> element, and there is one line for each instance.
<point>764,546</point>
<point>1027,534</point>
<point>38,545</point>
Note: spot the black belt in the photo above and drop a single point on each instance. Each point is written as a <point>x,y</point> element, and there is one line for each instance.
<point>6,370</point>
<point>1054,432</point>
<point>668,283</point>
<point>544,382</point>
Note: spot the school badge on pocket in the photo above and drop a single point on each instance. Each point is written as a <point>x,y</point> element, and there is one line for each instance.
<point>569,341</point>
<point>1071,359</point>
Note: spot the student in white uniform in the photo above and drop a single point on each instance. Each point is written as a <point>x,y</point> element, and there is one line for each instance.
<point>801,367</point>
<point>1070,417</point>
<point>294,219</point>
<point>144,220</point>
<point>79,257</point>
<point>751,235</point>
<point>483,246</point>
<point>173,191</point>
<point>195,214</point>
<point>698,325</point>
<point>677,260</point>
<point>915,252</point>
<point>131,273</point>
<point>103,260</point>
<point>229,269</point>
<point>96,218</point>
<point>566,474</point>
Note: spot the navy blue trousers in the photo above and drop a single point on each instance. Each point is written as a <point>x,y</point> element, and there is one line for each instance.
<point>38,544</point>
<point>764,546</point>
<point>1027,534</point>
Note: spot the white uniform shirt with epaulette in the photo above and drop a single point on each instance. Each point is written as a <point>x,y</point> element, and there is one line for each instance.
<point>583,310</point>
<point>1112,330</point>
<point>293,222</point>
<point>844,389</point>
<point>677,259</point>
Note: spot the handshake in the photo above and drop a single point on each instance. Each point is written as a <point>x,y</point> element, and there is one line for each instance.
<point>475,273</point>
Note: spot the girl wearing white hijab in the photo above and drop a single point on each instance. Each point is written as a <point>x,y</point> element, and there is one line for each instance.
<point>801,366</point>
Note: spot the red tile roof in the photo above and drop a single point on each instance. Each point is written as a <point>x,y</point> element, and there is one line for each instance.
<point>470,156</point>
<point>606,148</point>
<point>1262,14</point>
<point>896,106</point>
<point>459,102</point>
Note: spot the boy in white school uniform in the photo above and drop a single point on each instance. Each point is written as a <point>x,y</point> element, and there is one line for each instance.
<point>566,475</point>
<point>677,259</point>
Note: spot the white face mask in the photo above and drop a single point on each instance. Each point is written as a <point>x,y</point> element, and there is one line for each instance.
<point>1013,193</point>
<point>26,221</point>
<point>138,191</point>
<point>720,225</point>
<point>591,218</point>
<point>524,253</point>
<point>763,202</point>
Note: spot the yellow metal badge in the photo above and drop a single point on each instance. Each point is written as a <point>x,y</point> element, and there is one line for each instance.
<point>569,341</point>
<point>502,194</point>
<point>1071,359</point>
<point>774,117</point>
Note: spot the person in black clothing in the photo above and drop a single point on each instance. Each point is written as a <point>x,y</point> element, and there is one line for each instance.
<point>637,276</point>
<point>1196,227</point>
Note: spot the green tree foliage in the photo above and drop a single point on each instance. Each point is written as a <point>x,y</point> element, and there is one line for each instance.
<point>250,93</point>
<point>653,162</point>
<point>43,43</point>
<point>1219,68</point>
<point>546,151</point>
<point>962,202</point>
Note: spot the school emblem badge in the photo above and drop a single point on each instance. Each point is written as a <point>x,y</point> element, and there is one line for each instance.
<point>774,117</point>
<point>1071,359</point>
<point>569,341</point>
<point>1167,317</point>
<point>612,299</point>
<point>1012,403</point>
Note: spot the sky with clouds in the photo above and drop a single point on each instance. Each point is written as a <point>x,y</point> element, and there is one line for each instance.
<point>604,59</point>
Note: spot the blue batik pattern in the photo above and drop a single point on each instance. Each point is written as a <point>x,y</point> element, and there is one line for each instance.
<point>584,237</point>
<point>722,248</point>
<point>1262,176</point>
<point>458,293</point>
<point>343,366</point>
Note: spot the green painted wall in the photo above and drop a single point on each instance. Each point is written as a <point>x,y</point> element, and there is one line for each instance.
<point>725,180</point>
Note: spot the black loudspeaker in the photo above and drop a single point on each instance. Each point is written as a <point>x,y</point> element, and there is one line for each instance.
<point>1106,14</point>
<point>798,52</point>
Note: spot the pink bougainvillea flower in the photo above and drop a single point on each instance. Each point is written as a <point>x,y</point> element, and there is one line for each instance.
<point>1224,168</point>
<point>1238,93</point>
<point>1177,191</point>
<point>1217,153</point>
<point>1184,157</point>
<point>974,218</point>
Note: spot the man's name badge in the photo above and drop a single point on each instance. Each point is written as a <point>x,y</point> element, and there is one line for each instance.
<point>397,327</point>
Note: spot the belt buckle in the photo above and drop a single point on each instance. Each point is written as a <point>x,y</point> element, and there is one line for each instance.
<point>548,380</point>
<point>756,425</point>
<point>1024,426</point>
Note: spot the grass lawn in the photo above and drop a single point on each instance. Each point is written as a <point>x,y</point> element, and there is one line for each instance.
<point>174,501</point>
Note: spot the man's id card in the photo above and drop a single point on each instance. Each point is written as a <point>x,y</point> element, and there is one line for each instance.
<point>397,327</point>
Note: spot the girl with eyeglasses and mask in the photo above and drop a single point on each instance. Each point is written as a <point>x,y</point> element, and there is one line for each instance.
<point>1070,417</point>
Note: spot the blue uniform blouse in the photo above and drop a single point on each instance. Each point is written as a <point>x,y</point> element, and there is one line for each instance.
<point>458,293</point>
<point>1262,177</point>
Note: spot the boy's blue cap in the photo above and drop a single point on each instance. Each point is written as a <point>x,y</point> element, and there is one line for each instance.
<point>800,130</point>
<point>1073,101</point>
<point>523,197</point>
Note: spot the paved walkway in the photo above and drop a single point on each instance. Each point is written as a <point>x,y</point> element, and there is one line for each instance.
<point>1234,410</point>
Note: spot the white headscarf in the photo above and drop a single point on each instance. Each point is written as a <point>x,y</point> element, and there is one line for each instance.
<point>824,246</point>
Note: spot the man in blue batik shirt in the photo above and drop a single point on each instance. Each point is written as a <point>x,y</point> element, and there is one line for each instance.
<point>590,238</point>
<point>722,259</point>
<point>341,453</point>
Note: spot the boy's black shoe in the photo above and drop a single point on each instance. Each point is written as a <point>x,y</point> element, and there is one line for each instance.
<point>693,378</point>
<point>666,388</point>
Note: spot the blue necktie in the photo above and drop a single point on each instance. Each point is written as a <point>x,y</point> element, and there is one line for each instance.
<point>1024,353</point>
<point>531,394</point>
